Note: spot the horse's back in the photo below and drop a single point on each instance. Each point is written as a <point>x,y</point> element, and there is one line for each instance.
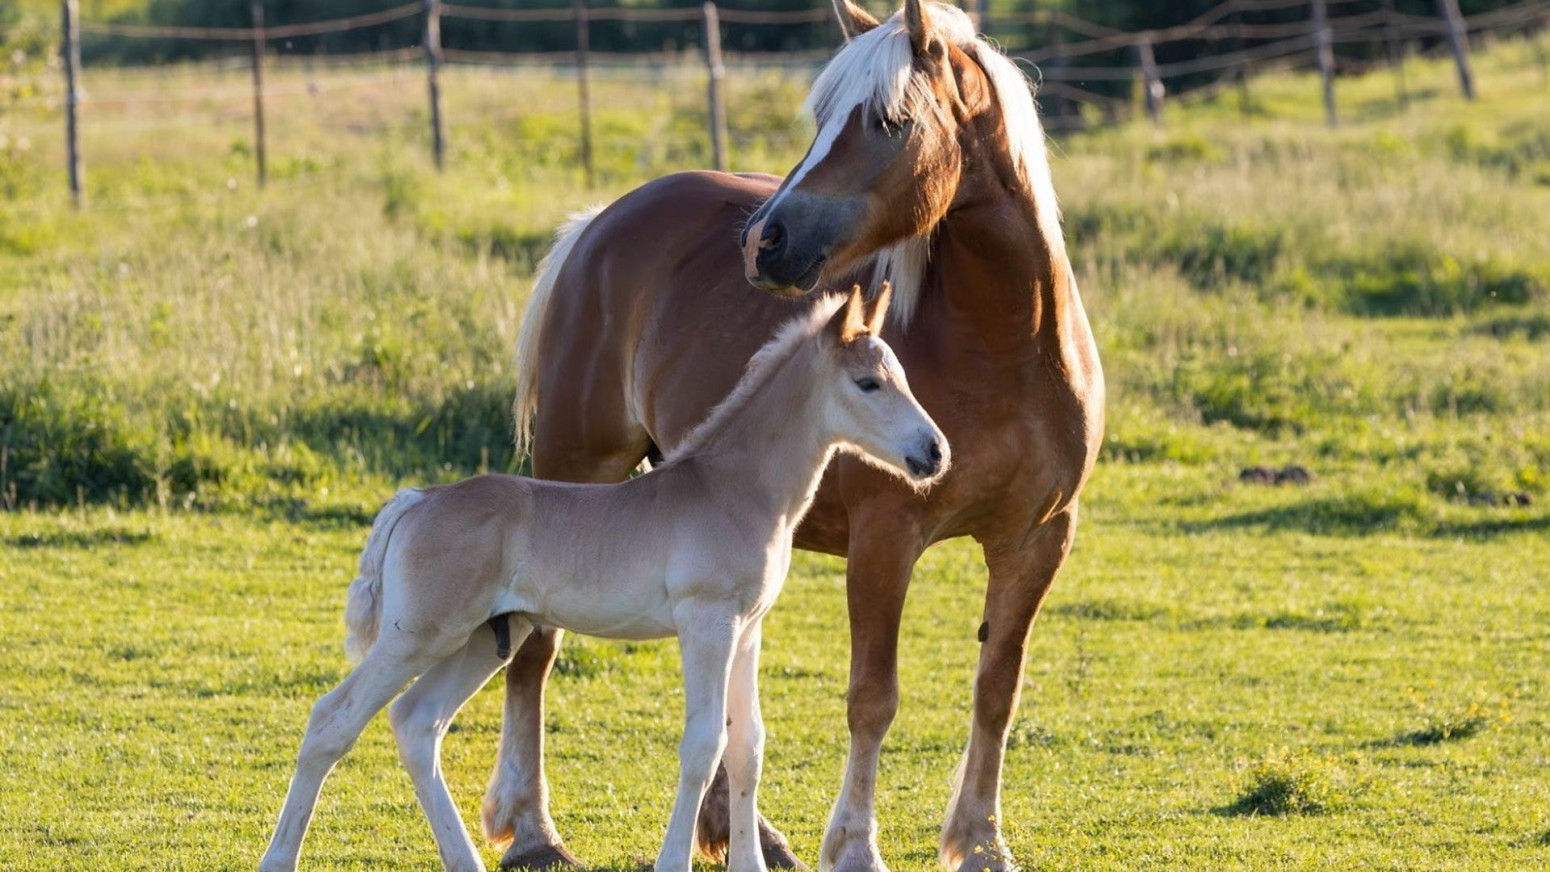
<point>650,324</point>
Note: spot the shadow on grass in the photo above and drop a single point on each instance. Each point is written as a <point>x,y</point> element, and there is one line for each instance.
<point>80,538</point>
<point>1362,514</point>
<point>1493,527</point>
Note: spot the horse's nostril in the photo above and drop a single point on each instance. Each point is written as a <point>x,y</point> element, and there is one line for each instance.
<point>936,452</point>
<point>774,238</point>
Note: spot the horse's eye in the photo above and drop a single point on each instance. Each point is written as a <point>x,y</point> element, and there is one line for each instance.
<point>868,385</point>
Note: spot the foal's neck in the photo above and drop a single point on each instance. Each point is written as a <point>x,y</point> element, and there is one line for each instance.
<point>772,448</point>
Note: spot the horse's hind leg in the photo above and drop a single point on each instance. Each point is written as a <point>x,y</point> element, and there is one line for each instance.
<point>420,720</point>
<point>336,722</point>
<point>516,805</point>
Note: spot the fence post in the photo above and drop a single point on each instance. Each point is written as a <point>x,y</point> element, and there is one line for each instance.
<point>718,109</point>
<point>258,92</point>
<point>1152,86</point>
<point>1325,49</point>
<point>1396,56</point>
<point>70,51</point>
<point>433,78</point>
<point>1458,45</point>
<point>583,88</point>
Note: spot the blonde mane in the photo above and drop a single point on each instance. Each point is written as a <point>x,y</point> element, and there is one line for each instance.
<point>875,72</point>
<point>760,367</point>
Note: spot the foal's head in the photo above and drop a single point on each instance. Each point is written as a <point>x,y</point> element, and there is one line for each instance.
<point>868,400</point>
<point>898,110</point>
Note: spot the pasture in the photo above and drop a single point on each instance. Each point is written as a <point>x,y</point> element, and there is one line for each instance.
<point>210,389</point>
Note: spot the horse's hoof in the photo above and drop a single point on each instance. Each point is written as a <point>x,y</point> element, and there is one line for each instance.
<point>990,856</point>
<point>777,851</point>
<point>543,857</point>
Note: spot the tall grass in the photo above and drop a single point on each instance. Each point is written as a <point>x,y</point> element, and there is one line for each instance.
<point>1371,300</point>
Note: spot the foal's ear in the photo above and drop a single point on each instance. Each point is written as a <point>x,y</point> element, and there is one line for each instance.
<point>879,309</point>
<point>854,20</point>
<point>847,322</point>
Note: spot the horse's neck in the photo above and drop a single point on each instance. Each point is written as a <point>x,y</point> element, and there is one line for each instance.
<point>1002,274</point>
<point>771,450</point>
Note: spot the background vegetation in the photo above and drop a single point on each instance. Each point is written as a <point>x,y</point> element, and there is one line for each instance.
<point>209,389</point>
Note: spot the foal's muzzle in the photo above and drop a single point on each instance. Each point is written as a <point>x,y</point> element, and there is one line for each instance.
<point>928,462</point>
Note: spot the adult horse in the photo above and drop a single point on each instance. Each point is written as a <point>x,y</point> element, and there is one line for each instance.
<point>928,168</point>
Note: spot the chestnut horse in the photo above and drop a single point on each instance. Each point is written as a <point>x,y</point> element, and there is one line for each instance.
<point>928,168</point>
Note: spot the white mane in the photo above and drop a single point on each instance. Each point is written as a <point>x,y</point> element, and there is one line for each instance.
<point>874,71</point>
<point>758,371</point>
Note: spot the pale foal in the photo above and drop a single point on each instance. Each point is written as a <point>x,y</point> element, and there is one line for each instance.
<point>698,548</point>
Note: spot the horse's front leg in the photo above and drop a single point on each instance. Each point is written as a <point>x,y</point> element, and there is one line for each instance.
<point>707,638</point>
<point>744,757</point>
<point>1021,573</point>
<point>880,559</point>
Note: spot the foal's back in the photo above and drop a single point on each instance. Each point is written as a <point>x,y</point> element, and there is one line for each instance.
<point>600,559</point>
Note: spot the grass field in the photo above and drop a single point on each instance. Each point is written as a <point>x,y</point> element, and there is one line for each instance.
<point>209,389</point>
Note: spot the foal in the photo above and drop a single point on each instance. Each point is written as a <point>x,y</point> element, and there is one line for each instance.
<point>698,548</point>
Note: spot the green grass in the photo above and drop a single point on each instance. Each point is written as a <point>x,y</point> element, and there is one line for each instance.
<point>209,389</point>
<point>161,666</point>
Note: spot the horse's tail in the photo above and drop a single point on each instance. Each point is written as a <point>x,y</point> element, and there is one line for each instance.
<point>528,350</point>
<point>363,609</point>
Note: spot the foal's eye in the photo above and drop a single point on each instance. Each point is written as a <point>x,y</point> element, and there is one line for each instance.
<point>868,385</point>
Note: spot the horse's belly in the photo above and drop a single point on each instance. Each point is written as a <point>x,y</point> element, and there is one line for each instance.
<point>595,611</point>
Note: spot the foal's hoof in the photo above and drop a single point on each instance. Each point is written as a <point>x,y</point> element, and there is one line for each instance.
<point>777,851</point>
<point>544,857</point>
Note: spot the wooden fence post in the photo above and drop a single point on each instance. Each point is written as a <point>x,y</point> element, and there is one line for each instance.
<point>1152,89</point>
<point>1538,34</point>
<point>433,78</point>
<point>1324,47</point>
<point>70,51</point>
<point>258,92</point>
<point>1396,56</point>
<point>583,88</point>
<point>717,71</point>
<point>1458,45</point>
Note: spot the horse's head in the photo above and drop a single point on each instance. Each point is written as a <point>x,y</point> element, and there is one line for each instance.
<point>869,403</point>
<point>891,109</point>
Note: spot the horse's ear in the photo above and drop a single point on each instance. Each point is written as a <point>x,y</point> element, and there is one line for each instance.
<point>879,309</point>
<point>854,20</point>
<point>847,322</point>
<point>919,21</point>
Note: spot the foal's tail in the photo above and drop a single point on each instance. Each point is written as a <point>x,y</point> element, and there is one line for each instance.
<point>528,349</point>
<point>363,609</point>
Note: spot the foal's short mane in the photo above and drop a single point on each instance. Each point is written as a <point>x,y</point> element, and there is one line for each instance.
<point>760,367</point>
<point>873,71</point>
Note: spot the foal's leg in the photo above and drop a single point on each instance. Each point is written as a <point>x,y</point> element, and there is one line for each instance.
<point>707,638</point>
<point>516,804</point>
<point>336,722</point>
<point>420,720</point>
<point>744,757</point>
<point>877,576</point>
<point>1020,576</point>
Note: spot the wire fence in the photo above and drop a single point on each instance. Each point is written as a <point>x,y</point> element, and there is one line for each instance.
<point>1088,74</point>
